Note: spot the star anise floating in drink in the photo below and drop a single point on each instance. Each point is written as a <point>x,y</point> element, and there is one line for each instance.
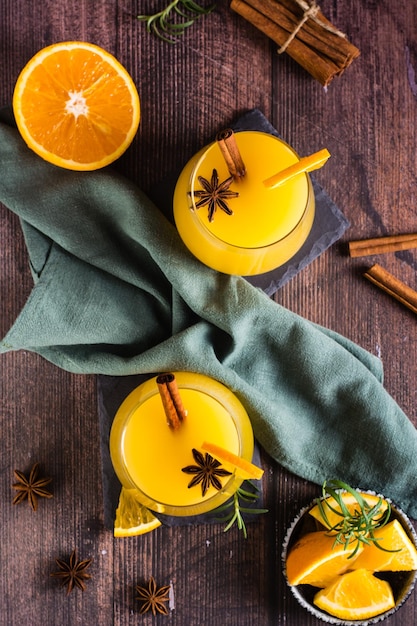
<point>214,194</point>
<point>153,598</point>
<point>31,488</point>
<point>72,573</point>
<point>206,472</point>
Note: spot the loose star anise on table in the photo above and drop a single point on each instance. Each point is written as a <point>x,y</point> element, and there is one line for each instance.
<point>206,471</point>
<point>31,487</point>
<point>153,598</point>
<point>214,194</point>
<point>72,573</point>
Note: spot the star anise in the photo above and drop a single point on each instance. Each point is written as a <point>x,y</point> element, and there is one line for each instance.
<point>31,488</point>
<point>153,598</point>
<point>206,472</point>
<point>215,194</point>
<point>72,573</point>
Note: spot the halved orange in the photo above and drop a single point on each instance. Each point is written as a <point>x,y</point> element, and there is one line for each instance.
<point>76,106</point>
<point>356,595</point>
<point>243,468</point>
<point>390,537</point>
<point>315,560</point>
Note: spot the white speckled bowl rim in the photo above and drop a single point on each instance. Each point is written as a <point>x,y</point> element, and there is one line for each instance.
<point>326,617</point>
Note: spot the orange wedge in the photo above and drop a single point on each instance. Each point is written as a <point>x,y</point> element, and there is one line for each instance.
<point>391,537</point>
<point>315,560</point>
<point>356,595</point>
<point>132,517</point>
<point>351,504</point>
<point>76,106</point>
<point>243,468</point>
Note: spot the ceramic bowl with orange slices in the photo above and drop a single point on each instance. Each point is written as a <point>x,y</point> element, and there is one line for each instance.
<point>350,557</point>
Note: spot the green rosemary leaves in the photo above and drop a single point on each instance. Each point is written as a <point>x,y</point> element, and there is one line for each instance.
<point>234,509</point>
<point>355,524</point>
<point>172,22</point>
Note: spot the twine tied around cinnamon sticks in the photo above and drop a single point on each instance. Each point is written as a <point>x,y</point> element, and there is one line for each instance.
<point>310,11</point>
<point>300,29</point>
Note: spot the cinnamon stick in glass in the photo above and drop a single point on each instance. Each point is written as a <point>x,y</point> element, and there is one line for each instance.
<point>392,286</point>
<point>379,245</point>
<point>171,400</point>
<point>311,40</point>
<point>227,143</point>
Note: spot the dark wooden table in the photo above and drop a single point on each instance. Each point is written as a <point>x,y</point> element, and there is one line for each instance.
<point>222,67</point>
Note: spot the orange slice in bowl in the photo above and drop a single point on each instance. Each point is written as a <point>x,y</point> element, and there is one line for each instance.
<point>395,552</point>
<point>357,595</point>
<point>243,468</point>
<point>315,559</point>
<point>351,504</point>
<point>76,106</point>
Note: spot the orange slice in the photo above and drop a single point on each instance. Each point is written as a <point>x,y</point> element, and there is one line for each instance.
<point>76,106</point>
<point>243,468</point>
<point>391,537</point>
<point>356,595</point>
<point>132,517</point>
<point>351,504</point>
<point>315,560</point>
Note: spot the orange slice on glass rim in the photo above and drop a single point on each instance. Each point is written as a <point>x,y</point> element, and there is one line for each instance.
<point>132,517</point>
<point>76,106</point>
<point>243,468</point>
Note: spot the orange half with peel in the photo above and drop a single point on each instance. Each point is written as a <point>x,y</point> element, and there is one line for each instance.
<point>76,106</point>
<point>243,468</point>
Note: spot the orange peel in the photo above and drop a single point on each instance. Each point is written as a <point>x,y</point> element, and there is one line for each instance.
<point>243,468</point>
<point>305,164</point>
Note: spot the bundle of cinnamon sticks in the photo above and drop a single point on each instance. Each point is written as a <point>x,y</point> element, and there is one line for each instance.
<point>300,29</point>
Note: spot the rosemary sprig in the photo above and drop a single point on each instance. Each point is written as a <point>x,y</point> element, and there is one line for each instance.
<point>235,509</point>
<point>173,21</point>
<point>355,527</point>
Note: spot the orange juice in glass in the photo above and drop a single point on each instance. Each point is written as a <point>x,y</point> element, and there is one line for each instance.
<point>268,225</point>
<point>149,456</point>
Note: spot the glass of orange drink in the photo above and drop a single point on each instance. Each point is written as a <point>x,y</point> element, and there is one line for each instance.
<point>268,225</point>
<point>150,457</point>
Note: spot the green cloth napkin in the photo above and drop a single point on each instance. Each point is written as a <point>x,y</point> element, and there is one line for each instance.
<point>117,293</point>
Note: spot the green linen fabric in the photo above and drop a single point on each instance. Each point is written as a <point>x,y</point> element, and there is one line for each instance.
<point>116,292</point>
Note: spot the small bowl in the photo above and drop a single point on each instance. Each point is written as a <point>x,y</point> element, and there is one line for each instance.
<point>402,583</point>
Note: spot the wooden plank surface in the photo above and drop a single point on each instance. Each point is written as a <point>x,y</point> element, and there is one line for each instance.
<point>222,67</point>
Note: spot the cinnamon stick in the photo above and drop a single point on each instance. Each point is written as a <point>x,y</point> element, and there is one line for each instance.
<point>379,245</point>
<point>226,141</point>
<point>171,400</point>
<point>307,36</point>
<point>392,286</point>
